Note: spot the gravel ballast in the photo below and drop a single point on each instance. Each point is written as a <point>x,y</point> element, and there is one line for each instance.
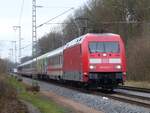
<point>97,102</point>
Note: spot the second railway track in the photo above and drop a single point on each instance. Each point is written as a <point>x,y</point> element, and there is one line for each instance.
<point>132,99</point>
<point>146,90</point>
<point>124,97</point>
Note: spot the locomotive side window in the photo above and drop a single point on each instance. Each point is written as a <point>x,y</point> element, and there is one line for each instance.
<point>112,47</point>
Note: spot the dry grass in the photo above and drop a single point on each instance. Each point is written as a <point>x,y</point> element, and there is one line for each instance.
<point>9,102</point>
<point>11,106</point>
<point>138,84</point>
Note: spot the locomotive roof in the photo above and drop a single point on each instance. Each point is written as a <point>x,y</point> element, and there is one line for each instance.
<point>81,38</point>
<point>75,41</point>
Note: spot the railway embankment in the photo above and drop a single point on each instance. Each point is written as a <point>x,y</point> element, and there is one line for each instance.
<point>34,101</point>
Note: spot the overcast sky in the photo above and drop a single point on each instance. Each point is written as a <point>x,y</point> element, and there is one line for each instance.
<point>10,15</point>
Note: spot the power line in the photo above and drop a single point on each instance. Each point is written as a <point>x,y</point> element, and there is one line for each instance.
<point>54,17</point>
<point>26,46</point>
<point>59,23</point>
<point>124,22</point>
<point>7,40</point>
<point>21,12</point>
<point>58,7</point>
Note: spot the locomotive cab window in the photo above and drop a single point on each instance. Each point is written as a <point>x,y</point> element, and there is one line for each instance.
<point>103,47</point>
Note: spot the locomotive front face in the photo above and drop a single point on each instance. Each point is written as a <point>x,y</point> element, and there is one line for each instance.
<point>106,60</point>
<point>104,57</point>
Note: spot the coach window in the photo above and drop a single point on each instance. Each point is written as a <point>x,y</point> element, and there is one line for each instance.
<point>57,59</point>
<point>53,60</point>
<point>61,59</point>
<point>49,60</point>
<point>34,64</point>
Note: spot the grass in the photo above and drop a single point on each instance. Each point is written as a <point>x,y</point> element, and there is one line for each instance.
<point>37,100</point>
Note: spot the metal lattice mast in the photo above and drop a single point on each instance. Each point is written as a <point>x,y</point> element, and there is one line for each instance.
<point>34,37</point>
<point>19,28</point>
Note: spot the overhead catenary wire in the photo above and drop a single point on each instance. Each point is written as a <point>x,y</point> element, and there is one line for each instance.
<point>21,12</point>
<point>27,46</point>
<point>55,17</point>
<point>56,7</point>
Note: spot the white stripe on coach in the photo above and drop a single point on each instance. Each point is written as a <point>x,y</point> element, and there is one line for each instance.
<point>114,60</point>
<point>95,60</point>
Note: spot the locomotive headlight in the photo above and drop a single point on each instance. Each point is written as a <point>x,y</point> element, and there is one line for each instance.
<point>92,67</point>
<point>118,66</point>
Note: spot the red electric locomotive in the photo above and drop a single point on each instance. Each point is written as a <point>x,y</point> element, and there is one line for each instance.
<point>96,60</point>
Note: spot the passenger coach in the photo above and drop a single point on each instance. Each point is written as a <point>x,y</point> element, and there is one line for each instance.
<point>92,59</point>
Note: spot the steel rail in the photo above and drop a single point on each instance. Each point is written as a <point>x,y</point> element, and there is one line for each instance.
<point>146,90</point>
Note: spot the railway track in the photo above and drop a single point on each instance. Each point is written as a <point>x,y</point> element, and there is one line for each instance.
<point>123,97</point>
<point>119,96</point>
<point>146,90</point>
<point>132,99</point>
